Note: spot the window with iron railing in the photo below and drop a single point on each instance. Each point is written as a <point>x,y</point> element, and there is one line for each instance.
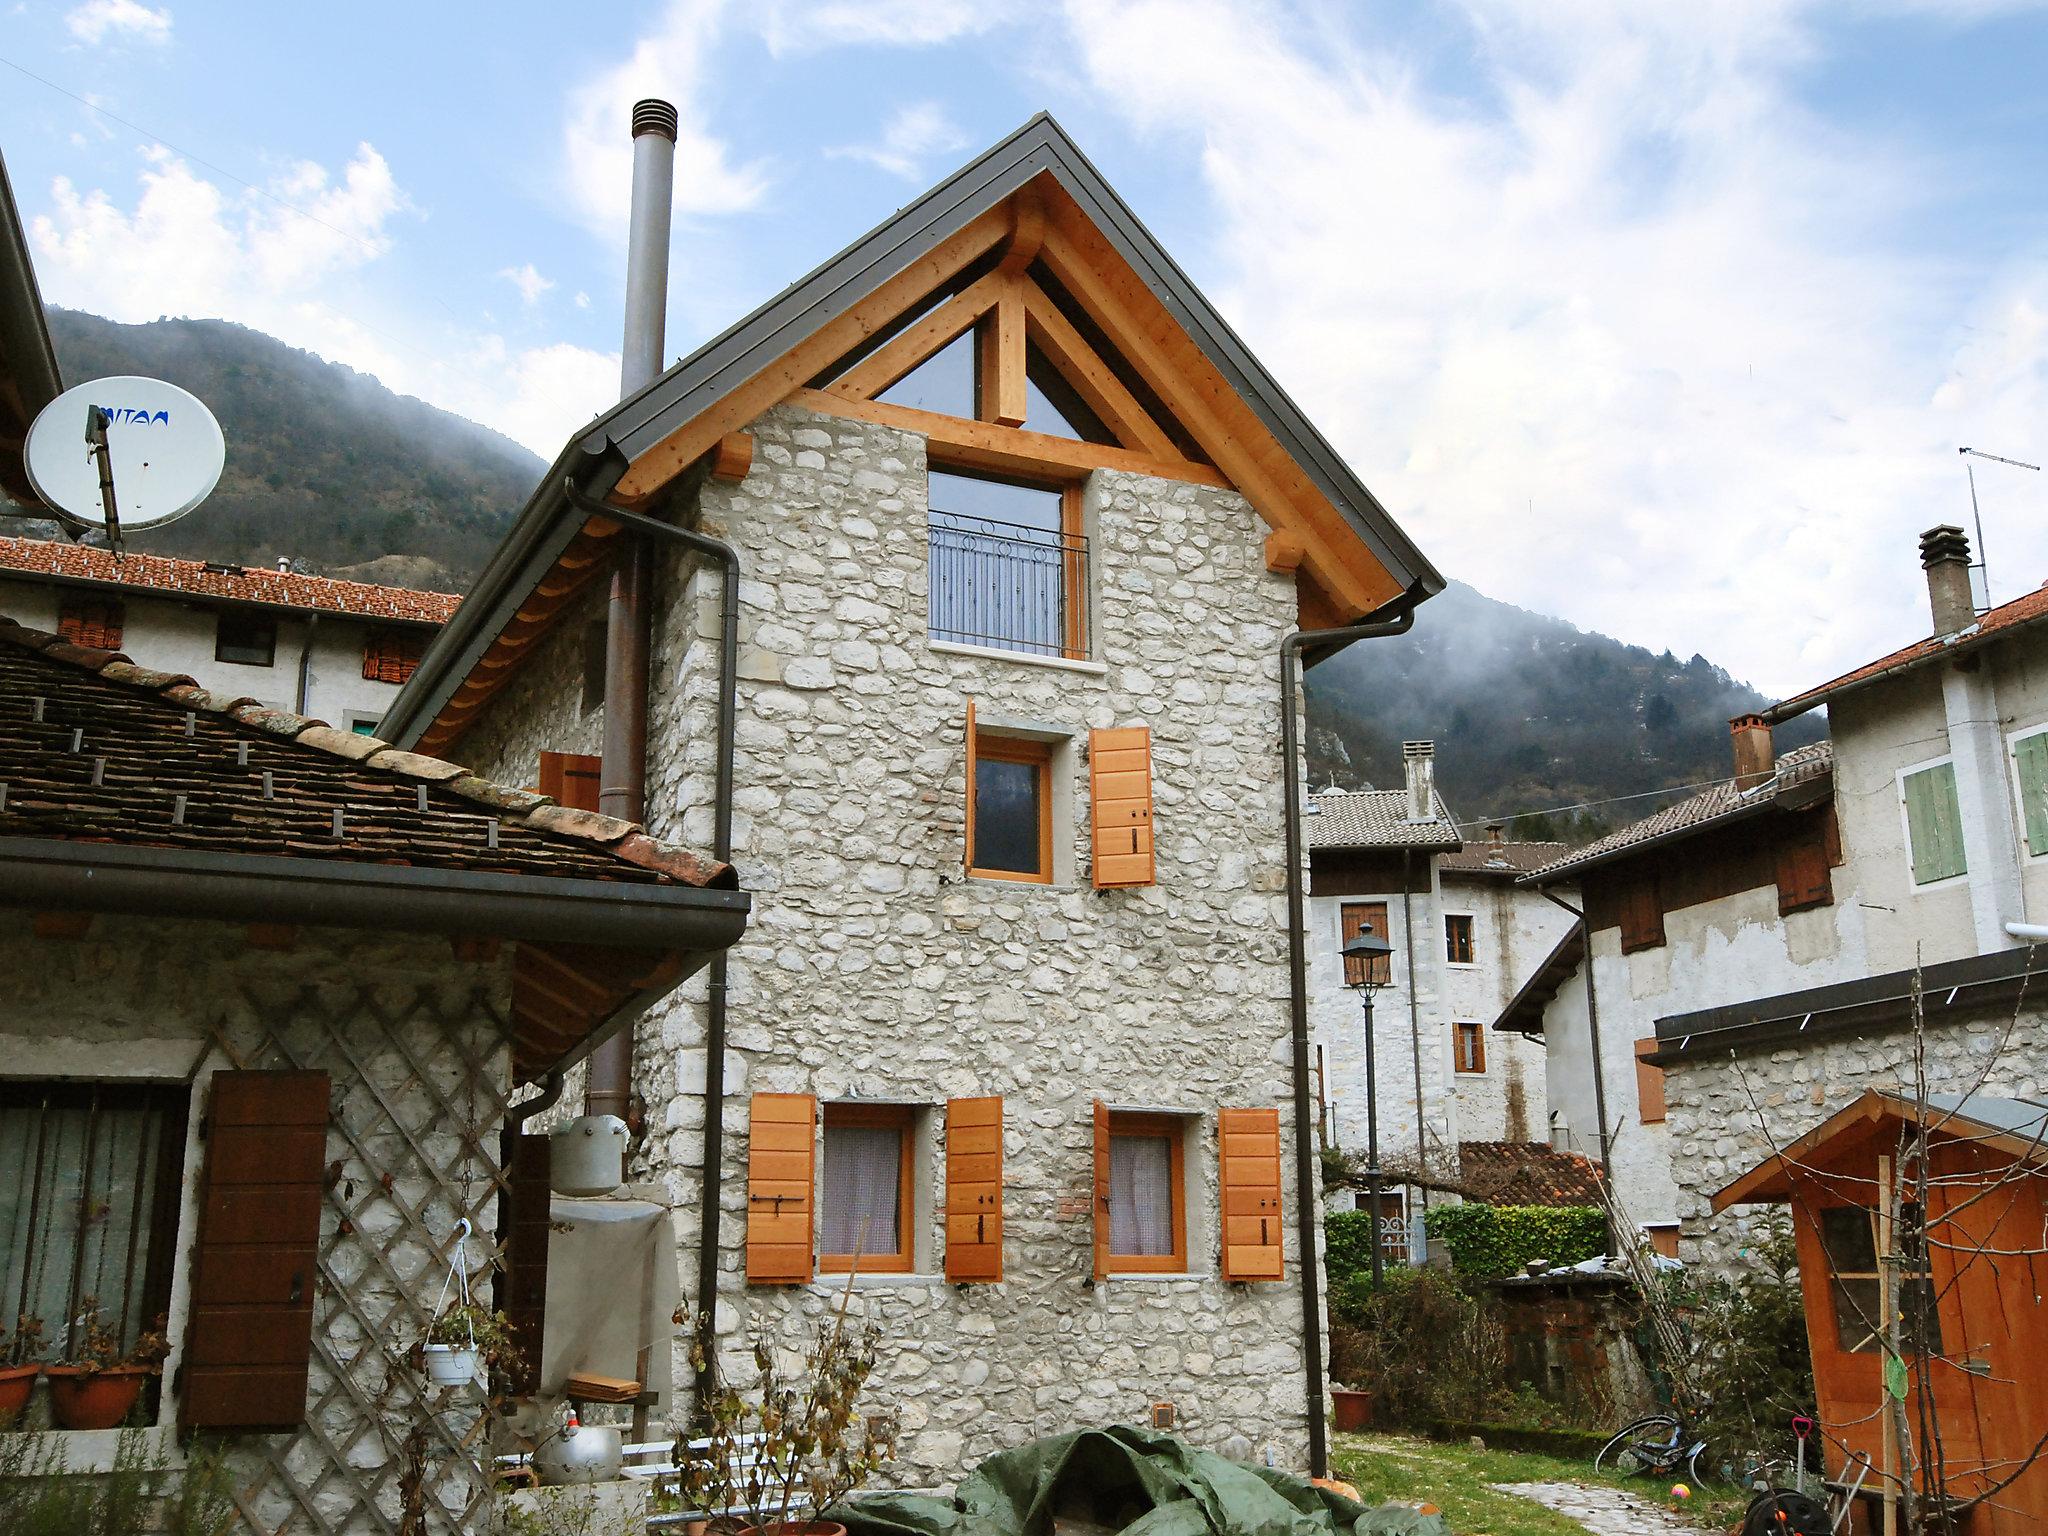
<point>1008,566</point>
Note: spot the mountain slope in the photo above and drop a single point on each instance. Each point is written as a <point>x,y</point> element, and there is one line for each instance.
<point>324,465</point>
<point>1528,713</point>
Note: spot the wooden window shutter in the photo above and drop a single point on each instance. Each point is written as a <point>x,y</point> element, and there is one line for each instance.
<point>2030,765</point>
<point>1101,1189</point>
<point>1354,918</point>
<point>1803,879</point>
<point>969,863</point>
<point>571,779</point>
<point>1120,805</point>
<point>254,1265</point>
<point>781,1150</point>
<point>1642,915</point>
<point>1252,1220</point>
<point>1649,1083</point>
<point>1934,824</point>
<point>525,1221</point>
<point>974,1189</point>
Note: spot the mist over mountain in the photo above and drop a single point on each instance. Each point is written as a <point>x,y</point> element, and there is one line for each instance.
<point>324,464</point>
<point>1528,713</point>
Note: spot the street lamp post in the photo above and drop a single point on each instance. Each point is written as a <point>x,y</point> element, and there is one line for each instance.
<point>1372,953</point>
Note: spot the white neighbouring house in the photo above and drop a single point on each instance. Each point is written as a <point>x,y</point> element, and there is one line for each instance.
<point>1020,528</point>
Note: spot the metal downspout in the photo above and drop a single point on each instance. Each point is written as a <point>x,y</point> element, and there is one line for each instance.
<point>1308,1194</point>
<point>728,559</point>
<point>1599,1066</point>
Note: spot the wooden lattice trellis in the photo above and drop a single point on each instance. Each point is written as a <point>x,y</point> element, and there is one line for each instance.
<point>421,1078</point>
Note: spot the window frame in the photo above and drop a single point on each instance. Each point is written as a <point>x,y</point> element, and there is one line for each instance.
<point>1344,962</point>
<point>1459,1035</point>
<point>1077,597</point>
<point>1471,922</point>
<point>901,1118</point>
<point>1838,1280</point>
<point>1913,886</point>
<point>99,622</point>
<point>226,616</point>
<point>998,747</point>
<point>2012,767</point>
<point>1143,1125</point>
<point>391,647</point>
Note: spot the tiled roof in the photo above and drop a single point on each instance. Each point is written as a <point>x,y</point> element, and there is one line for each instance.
<point>1527,1173</point>
<point>279,589</point>
<point>1802,766</point>
<point>1502,858</point>
<point>1992,625</point>
<point>1374,818</point>
<point>94,748</point>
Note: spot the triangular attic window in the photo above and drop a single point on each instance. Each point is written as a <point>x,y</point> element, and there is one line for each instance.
<point>943,382</point>
<point>1053,406</point>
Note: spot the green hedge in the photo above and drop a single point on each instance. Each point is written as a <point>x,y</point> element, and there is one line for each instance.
<point>1487,1241</point>
<point>1347,1244</point>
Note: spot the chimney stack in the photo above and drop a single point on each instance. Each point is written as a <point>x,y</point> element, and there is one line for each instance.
<point>654,179</point>
<point>1418,761</point>
<point>1945,556</point>
<point>1754,759</point>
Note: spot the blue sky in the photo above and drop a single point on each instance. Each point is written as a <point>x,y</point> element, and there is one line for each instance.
<point>1665,318</point>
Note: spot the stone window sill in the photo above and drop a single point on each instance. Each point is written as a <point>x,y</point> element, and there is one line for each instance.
<point>1022,658</point>
<point>83,1452</point>
<point>1152,1276</point>
<point>832,1285</point>
<point>1018,887</point>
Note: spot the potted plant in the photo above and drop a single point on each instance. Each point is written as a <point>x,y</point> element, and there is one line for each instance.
<point>19,1364</point>
<point>98,1388</point>
<point>463,1340</point>
<point>785,1453</point>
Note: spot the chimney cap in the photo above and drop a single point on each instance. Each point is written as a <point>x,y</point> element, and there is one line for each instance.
<point>653,115</point>
<point>1418,749</point>
<point>1944,541</point>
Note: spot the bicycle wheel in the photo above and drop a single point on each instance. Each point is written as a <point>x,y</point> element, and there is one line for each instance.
<point>1707,1477</point>
<point>1644,1446</point>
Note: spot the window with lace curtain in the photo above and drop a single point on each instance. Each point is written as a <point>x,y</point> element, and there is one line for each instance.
<point>866,1192</point>
<point>1147,1193</point>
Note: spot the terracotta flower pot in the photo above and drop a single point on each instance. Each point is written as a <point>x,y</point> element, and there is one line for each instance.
<point>82,1399</point>
<point>16,1382</point>
<point>796,1528</point>
<point>1354,1409</point>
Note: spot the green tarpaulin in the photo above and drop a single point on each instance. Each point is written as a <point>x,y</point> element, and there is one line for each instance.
<point>1131,1481</point>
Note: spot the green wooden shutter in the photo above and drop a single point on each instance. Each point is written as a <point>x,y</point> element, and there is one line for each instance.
<point>1934,823</point>
<point>2031,758</point>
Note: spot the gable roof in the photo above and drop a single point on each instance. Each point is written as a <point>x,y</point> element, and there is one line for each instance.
<point>656,433</point>
<point>1374,818</point>
<point>255,586</point>
<point>29,379</point>
<point>1994,624</point>
<point>1502,859</point>
<point>1802,777</point>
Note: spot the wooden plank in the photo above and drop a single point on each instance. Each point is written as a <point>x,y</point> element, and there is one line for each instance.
<point>1003,395</point>
<point>781,1142</point>
<point>1117,408</point>
<point>1284,551</point>
<point>733,456</point>
<point>919,341</point>
<point>1249,1178</point>
<point>974,1189</point>
<point>1007,450</point>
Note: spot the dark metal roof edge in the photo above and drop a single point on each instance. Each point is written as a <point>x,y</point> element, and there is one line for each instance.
<point>1526,995</point>
<point>1827,693</point>
<point>146,880</point>
<point>1883,1001</point>
<point>207,599</point>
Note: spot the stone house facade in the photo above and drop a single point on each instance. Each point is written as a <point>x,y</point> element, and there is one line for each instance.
<point>1008,1039</point>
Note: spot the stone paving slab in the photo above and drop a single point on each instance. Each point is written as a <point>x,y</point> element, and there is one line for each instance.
<point>1606,1511</point>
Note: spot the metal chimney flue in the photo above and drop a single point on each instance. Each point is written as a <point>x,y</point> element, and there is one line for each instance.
<point>654,180</point>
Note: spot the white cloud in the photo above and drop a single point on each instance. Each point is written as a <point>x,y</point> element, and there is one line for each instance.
<point>528,281</point>
<point>795,26</point>
<point>913,134</point>
<point>1620,332</point>
<point>123,20</point>
<point>582,299</point>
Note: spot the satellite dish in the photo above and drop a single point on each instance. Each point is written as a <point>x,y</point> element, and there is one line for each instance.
<point>164,452</point>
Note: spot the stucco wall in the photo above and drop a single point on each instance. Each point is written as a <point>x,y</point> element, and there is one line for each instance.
<point>1513,931</point>
<point>872,968</point>
<point>176,636</point>
<point>178,1001</point>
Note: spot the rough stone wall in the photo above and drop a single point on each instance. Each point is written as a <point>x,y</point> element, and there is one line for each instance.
<point>873,968</point>
<point>177,1001</point>
<point>541,708</point>
<point>1727,1114</point>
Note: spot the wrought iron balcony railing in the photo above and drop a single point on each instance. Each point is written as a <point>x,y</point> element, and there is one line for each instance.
<point>1008,586</point>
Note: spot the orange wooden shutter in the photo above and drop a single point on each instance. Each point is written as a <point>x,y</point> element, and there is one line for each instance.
<point>525,1222</point>
<point>1642,915</point>
<point>1120,805</point>
<point>1649,1083</point>
<point>974,1189</point>
<point>1101,1189</point>
<point>571,779</point>
<point>1803,879</point>
<point>1252,1222</point>
<point>254,1264</point>
<point>781,1141</point>
<point>970,785</point>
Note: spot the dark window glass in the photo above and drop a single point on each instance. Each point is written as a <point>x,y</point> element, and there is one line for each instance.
<point>1848,1234</point>
<point>943,382</point>
<point>1458,940</point>
<point>1053,406</point>
<point>246,638</point>
<point>1000,564</point>
<point>1006,815</point>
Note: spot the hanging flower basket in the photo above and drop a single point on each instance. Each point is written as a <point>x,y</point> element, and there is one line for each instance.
<point>452,1365</point>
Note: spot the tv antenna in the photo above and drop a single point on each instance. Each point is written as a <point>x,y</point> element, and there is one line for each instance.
<point>1982,565</point>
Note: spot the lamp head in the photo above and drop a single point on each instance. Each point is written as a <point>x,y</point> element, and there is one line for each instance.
<point>1369,949</point>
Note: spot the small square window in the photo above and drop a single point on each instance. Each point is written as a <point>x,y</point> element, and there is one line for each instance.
<point>1148,1226</point>
<point>247,639</point>
<point>1458,938</point>
<point>392,655</point>
<point>92,621</point>
<point>1009,808</point>
<point>866,1204</point>
<point>1470,1045</point>
<point>363,725</point>
<point>1848,1235</point>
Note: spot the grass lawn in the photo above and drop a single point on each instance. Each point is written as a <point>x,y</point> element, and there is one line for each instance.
<point>1458,1479</point>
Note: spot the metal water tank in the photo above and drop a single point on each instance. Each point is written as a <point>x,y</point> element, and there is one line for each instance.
<point>588,1155</point>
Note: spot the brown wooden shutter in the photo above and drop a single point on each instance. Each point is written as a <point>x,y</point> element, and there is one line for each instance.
<point>969,864</point>
<point>1120,805</point>
<point>254,1264</point>
<point>781,1148</point>
<point>571,779</point>
<point>1803,878</point>
<point>1354,918</point>
<point>1642,915</point>
<point>974,1189</point>
<point>1101,1189</point>
<point>526,1222</point>
<point>1252,1220</point>
<point>1649,1083</point>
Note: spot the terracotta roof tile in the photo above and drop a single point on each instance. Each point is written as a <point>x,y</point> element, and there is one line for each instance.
<point>1527,1173</point>
<point>1502,859</point>
<point>93,748</point>
<point>284,589</point>
<point>1374,818</point>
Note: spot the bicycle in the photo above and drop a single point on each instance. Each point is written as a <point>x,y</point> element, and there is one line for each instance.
<point>1656,1445</point>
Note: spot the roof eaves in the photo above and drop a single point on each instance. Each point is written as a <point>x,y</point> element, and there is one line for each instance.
<point>1920,653</point>
<point>25,349</point>
<point>1524,1012</point>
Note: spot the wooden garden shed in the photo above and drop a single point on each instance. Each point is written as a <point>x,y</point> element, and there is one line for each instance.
<point>1970,1281</point>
